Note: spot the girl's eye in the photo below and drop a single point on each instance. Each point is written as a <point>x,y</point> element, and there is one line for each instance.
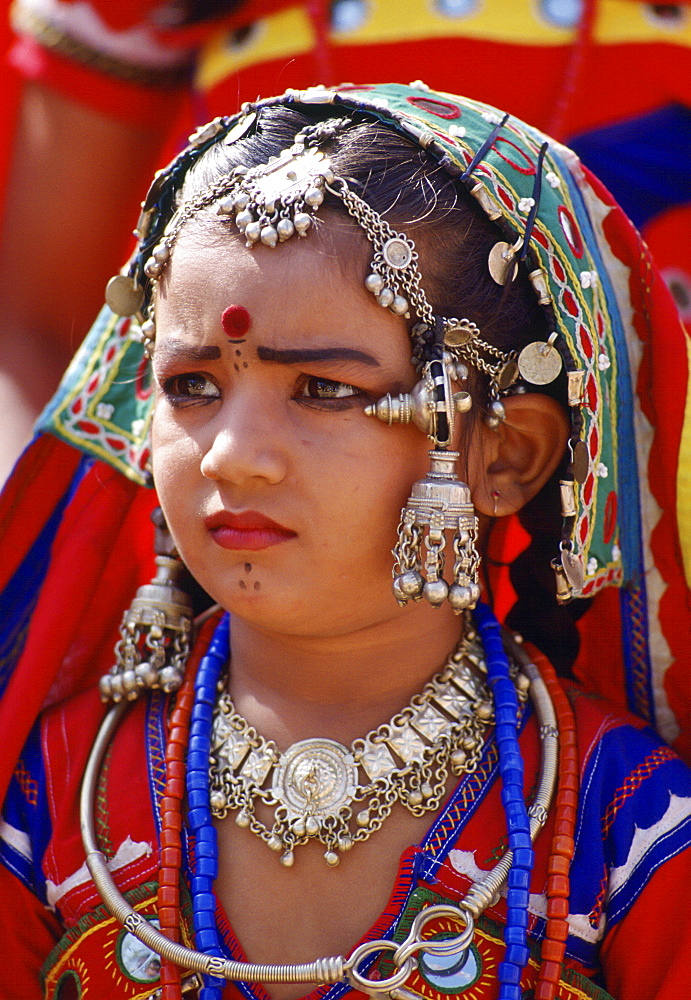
<point>185,389</point>
<point>317,388</point>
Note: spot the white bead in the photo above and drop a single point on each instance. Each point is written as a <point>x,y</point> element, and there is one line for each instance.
<point>331,858</point>
<point>285,229</point>
<point>411,583</point>
<point>374,283</point>
<point>226,206</point>
<point>218,801</point>
<point>314,197</point>
<point>302,222</point>
<point>146,673</point>
<point>398,592</point>
<point>243,219</point>
<point>312,826</point>
<point>385,297</point>
<point>459,597</point>
<point>242,819</point>
<point>171,678</point>
<point>269,236</point>
<point>287,859</point>
<point>253,232</point>
<point>152,269</point>
<point>399,306</point>
<point>436,591</point>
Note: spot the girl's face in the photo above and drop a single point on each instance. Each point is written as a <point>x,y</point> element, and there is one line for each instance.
<point>282,496</point>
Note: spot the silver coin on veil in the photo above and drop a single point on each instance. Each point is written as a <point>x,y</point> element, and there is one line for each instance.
<point>539,363</point>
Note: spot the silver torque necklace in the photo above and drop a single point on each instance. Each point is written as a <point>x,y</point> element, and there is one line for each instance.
<point>319,789</point>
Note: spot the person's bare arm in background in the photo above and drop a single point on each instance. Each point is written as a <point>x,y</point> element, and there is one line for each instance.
<point>75,180</point>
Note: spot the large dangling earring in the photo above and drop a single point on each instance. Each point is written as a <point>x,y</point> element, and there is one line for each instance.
<point>156,630</point>
<point>440,502</point>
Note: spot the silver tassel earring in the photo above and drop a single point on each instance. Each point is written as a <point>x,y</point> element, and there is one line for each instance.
<point>440,502</point>
<point>156,630</point>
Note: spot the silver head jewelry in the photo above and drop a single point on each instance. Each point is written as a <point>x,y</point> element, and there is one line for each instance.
<point>273,202</point>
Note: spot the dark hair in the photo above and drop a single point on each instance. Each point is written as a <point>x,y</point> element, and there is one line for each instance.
<point>416,194</point>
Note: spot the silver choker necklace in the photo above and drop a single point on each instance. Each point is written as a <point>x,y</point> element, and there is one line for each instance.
<point>321,790</point>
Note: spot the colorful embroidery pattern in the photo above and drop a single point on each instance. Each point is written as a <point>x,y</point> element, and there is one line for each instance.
<point>634,781</point>
<point>28,785</point>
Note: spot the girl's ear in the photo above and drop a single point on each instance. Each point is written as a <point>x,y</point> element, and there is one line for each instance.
<point>510,463</point>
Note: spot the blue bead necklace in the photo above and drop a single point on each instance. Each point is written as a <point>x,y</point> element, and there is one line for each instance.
<point>517,821</point>
<point>205,867</point>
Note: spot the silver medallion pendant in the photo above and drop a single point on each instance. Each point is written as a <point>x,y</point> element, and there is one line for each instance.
<point>315,782</point>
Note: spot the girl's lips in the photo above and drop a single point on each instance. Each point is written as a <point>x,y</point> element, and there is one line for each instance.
<point>249,530</point>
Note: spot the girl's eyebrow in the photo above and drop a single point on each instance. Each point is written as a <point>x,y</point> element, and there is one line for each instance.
<point>179,350</point>
<point>295,356</point>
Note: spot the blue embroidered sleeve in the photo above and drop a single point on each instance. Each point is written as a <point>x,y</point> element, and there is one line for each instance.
<point>25,821</point>
<point>634,814</point>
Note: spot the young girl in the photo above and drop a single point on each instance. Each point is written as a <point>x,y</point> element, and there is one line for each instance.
<point>377,319</point>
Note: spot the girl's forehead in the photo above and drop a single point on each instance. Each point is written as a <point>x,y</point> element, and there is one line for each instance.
<point>214,273</point>
<point>305,294</point>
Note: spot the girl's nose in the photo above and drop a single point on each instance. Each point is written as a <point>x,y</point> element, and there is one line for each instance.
<point>246,445</point>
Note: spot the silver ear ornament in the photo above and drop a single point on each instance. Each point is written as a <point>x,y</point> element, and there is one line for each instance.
<point>431,397</point>
<point>440,503</point>
<point>156,630</point>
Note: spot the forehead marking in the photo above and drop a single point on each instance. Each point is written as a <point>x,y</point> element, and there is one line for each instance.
<point>236,321</point>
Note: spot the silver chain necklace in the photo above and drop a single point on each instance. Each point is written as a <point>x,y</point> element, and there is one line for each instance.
<point>318,789</point>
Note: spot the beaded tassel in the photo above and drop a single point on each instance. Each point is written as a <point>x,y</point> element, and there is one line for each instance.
<point>563,844</point>
<point>518,823</point>
<point>201,826</point>
<point>169,916</point>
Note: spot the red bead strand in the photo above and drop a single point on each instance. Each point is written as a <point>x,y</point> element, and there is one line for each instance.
<point>563,844</point>
<point>169,914</point>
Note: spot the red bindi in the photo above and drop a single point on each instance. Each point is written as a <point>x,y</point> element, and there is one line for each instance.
<point>236,321</point>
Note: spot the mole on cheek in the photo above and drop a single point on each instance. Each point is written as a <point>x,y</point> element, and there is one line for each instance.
<point>236,321</point>
<point>243,585</point>
<point>248,567</point>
